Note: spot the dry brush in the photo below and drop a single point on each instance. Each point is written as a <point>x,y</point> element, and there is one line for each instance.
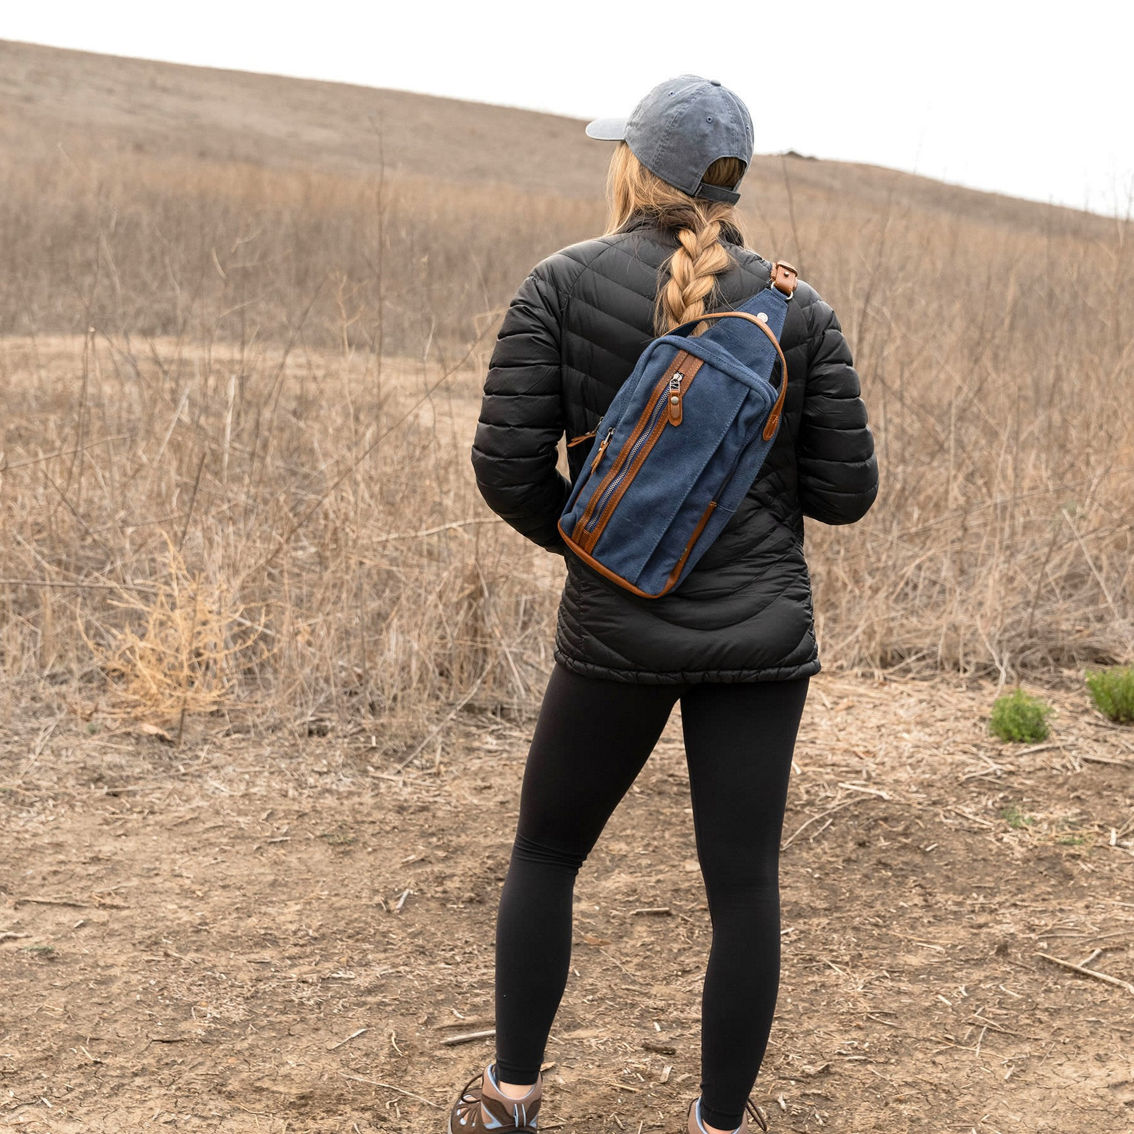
<point>238,403</point>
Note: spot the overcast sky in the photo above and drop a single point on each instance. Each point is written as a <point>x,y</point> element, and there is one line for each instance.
<point>1028,99</point>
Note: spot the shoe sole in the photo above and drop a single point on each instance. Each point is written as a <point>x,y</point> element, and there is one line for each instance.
<point>515,1129</point>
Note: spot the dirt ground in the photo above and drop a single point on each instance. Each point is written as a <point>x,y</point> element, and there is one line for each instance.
<point>275,934</point>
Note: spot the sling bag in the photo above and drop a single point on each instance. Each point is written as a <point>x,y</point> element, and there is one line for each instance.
<point>681,444</point>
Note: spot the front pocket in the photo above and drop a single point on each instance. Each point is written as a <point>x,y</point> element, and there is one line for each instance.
<point>661,411</point>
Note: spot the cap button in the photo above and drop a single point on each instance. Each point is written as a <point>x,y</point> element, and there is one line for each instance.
<point>715,82</point>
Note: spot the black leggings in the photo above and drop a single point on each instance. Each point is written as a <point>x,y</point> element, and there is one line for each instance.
<point>590,742</point>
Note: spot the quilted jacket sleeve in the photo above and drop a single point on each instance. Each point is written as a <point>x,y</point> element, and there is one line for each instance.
<point>838,472</point>
<point>515,451</point>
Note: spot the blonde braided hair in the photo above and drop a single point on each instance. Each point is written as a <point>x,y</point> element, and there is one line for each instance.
<point>700,256</point>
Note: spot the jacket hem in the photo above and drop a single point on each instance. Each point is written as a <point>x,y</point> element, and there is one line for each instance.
<point>686,677</point>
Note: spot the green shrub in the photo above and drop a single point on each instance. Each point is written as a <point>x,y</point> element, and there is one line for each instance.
<point>1112,690</point>
<point>1017,716</point>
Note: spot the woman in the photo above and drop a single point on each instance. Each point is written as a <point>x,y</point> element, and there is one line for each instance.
<point>734,643</point>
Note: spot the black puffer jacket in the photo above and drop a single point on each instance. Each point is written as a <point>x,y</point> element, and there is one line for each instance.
<point>568,341</point>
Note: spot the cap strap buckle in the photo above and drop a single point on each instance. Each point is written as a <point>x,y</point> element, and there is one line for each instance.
<point>717,193</point>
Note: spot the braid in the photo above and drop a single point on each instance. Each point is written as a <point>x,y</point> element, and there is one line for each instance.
<point>700,226</point>
<point>699,259</point>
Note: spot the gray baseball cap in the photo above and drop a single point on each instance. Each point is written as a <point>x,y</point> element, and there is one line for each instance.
<point>680,128</point>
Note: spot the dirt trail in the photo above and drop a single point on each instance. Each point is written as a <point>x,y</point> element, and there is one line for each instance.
<point>277,934</point>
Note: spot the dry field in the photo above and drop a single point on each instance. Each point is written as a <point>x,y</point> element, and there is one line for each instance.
<point>266,662</point>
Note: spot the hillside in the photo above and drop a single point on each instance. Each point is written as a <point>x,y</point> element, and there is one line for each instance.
<point>97,103</point>
<point>50,95</point>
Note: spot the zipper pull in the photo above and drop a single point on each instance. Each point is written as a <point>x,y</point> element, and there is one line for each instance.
<point>602,448</point>
<point>675,396</point>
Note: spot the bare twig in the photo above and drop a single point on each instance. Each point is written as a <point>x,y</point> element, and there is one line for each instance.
<point>445,721</point>
<point>4,467</point>
<point>390,1087</point>
<point>455,525</point>
<point>867,790</point>
<point>1104,760</point>
<point>814,819</point>
<point>81,585</point>
<point>467,1037</point>
<point>465,1022</point>
<point>1088,972</point>
<point>342,1042</point>
<point>51,902</point>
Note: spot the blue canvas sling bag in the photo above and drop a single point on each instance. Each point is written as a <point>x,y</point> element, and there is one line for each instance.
<point>681,444</point>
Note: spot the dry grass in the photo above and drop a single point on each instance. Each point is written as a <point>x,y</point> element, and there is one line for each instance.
<point>264,379</point>
<point>185,657</point>
<point>996,367</point>
<point>310,510</point>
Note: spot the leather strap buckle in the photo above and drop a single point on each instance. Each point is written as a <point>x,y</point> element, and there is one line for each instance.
<point>784,277</point>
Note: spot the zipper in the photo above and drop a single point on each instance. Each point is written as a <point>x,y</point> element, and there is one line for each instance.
<point>655,418</point>
<point>675,396</point>
<point>660,391</point>
<point>601,449</point>
<point>650,428</point>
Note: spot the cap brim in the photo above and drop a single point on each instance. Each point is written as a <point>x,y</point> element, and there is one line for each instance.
<point>607,129</point>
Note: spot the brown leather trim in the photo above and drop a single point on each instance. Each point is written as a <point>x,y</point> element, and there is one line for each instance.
<point>773,421</point>
<point>784,277</point>
<point>592,537</point>
<point>675,408</point>
<point>660,389</point>
<point>606,572</point>
<point>581,438</point>
<point>689,546</point>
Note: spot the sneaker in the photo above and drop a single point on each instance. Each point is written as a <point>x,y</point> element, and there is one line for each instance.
<point>482,1107</point>
<point>751,1111</point>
